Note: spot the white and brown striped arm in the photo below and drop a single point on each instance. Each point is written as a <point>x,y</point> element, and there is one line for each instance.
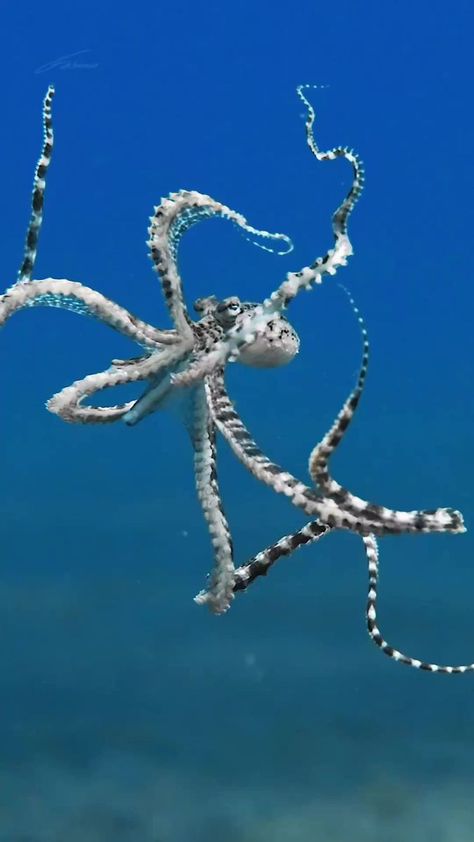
<point>322,452</point>
<point>315,505</point>
<point>66,294</point>
<point>372,554</point>
<point>219,592</point>
<point>342,250</point>
<point>260,564</point>
<point>39,185</point>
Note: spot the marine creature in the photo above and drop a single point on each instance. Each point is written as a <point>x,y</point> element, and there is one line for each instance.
<point>190,360</point>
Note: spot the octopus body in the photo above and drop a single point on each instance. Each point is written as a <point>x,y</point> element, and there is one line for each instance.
<point>191,357</point>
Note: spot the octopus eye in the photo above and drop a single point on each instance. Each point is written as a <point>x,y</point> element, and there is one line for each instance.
<point>232,305</point>
<point>228,310</point>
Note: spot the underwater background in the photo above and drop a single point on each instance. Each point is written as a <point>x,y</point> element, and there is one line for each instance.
<point>127,713</point>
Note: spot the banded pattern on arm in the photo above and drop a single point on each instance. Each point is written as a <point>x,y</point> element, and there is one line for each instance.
<point>261,563</point>
<point>319,458</point>
<point>320,455</point>
<point>337,256</point>
<point>172,218</point>
<point>255,324</point>
<point>71,295</point>
<point>234,431</point>
<point>219,593</point>
<point>372,554</point>
<point>39,186</point>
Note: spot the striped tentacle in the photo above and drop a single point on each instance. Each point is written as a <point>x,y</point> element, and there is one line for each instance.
<point>190,207</point>
<point>219,593</point>
<point>319,458</point>
<point>234,431</point>
<point>255,324</point>
<point>75,301</point>
<point>39,185</point>
<point>320,455</point>
<point>337,256</point>
<point>171,219</point>
<point>371,550</point>
<point>261,563</point>
<point>70,295</point>
<point>68,402</point>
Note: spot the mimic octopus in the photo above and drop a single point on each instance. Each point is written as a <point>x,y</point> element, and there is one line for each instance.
<point>192,357</point>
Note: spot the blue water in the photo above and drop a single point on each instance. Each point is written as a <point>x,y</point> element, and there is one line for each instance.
<point>127,713</point>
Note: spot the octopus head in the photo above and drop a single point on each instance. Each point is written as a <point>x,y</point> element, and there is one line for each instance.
<point>277,345</point>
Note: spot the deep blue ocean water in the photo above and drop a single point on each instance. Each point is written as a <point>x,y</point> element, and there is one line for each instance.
<point>127,713</point>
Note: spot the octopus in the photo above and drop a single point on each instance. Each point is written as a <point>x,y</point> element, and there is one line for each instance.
<point>190,360</point>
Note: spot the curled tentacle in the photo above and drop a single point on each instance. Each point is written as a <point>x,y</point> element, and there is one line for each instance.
<point>68,403</point>
<point>171,219</point>
<point>337,256</point>
<point>371,550</point>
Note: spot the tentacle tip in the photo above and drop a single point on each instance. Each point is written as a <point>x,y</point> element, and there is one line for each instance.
<point>52,405</point>
<point>216,606</point>
<point>179,380</point>
<point>131,418</point>
<point>454,521</point>
<point>444,520</point>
